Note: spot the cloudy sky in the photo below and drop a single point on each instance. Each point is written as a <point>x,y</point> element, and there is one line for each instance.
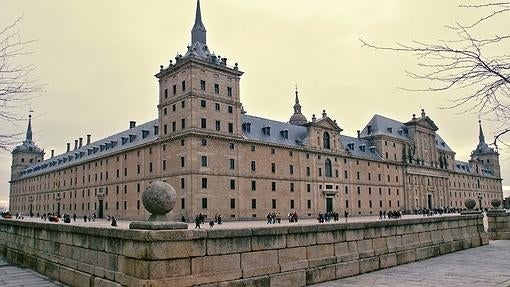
<point>97,60</point>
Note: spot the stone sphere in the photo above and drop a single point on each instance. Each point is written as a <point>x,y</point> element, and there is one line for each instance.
<point>159,198</point>
<point>470,203</point>
<point>496,202</point>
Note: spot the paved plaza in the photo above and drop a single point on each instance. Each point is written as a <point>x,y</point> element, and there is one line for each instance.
<point>481,266</point>
<point>13,276</point>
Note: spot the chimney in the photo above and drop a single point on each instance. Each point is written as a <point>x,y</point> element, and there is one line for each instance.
<point>52,153</point>
<point>358,133</point>
<point>88,139</point>
<point>132,124</point>
<point>68,147</point>
<point>81,143</point>
<point>75,144</point>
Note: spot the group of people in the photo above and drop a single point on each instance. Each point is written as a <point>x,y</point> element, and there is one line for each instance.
<point>330,215</point>
<point>392,214</point>
<point>273,218</point>
<point>293,217</point>
<point>200,219</point>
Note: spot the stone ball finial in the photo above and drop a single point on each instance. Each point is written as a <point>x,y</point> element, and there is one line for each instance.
<point>159,199</point>
<point>469,203</point>
<point>496,203</point>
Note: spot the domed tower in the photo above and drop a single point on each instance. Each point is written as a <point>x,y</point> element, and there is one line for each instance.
<point>297,118</point>
<point>488,156</point>
<point>25,154</point>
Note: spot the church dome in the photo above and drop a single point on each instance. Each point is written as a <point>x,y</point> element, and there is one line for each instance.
<point>297,119</point>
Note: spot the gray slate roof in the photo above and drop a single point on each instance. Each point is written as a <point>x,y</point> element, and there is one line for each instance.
<point>381,125</point>
<point>124,140</point>
<point>296,134</point>
<point>359,147</point>
<point>463,167</point>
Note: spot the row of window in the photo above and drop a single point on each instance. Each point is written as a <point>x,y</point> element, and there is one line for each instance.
<point>202,87</point>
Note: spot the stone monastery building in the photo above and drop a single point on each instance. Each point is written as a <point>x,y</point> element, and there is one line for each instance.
<point>221,160</point>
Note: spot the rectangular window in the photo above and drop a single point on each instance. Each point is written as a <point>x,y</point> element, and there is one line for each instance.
<point>204,203</point>
<point>307,171</point>
<point>291,169</point>
<point>203,103</point>
<point>232,163</point>
<point>218,125</point>
<point>183,104</point>
<point>150,166</point>
<point>166,93</point>
<point>182,161</point>
<point>229,91</point>
<point>204,182</point>
<point>216,106</point>
<point>273,186</point>
<point>182,183</point>
<point>183,123</point>
<point>203,123</point>
<point>308,187</point>
<point>216,88</point>
<point>291,187</point>
<point>309,204</point>
<point>204,160</point>
<point>230,127</point>
<point>175,90</point>
<point>232,203</point>
<point>174,126</point>
<point>183,86</point>
<point>273,203</point>
<point>183,203</point>
<point>292,204</point>
<point>253,165</point>
<point>204,142</point>
<point>230,109</point>
<point>202,85</point>
<point>253,185</point>
<point>232,184</point>
<point>273,167</point>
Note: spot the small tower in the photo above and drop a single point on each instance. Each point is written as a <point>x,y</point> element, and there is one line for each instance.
<point>485,155</point>
<point>297,118</point>
<point>198,33</point>
<point>25,154</point>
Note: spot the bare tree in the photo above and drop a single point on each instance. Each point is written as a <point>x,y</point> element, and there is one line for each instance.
<point>16,87</point>
<point>466,63</point>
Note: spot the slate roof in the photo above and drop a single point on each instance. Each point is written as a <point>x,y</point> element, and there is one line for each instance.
<point>380,125</point>
<point>124,140</point>
<point>296,135</point>
<point>359,147</point>
<point>463,167</point>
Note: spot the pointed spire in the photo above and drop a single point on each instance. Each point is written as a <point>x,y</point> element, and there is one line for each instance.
<point>481,137</point>
<point>297,98</point>
<point>198,33</point>
<point>297,118</point>
<point>29,129</point>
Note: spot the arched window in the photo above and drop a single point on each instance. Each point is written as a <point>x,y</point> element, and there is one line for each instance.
<point>325,138</point>
<point>327,168</point>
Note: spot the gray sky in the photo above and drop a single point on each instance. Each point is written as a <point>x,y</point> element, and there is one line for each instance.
<point>97,59</point>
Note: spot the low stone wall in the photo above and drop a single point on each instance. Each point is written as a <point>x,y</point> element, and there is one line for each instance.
<point>269,256</point>
<point>499,224</point>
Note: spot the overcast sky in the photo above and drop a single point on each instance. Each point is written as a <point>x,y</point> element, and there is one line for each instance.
<point>98,59</point>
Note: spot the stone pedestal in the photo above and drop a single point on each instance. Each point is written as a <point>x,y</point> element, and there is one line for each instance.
<point>499,224</point>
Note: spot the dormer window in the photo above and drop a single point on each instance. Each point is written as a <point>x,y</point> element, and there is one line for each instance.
<point>362,147</point>
<point>285,134</point>
<point>246,127</point>
<point>350,146</point>
<point>390,130</point>
<point>400,131</point>
<point>369,130</point>
<point>266,131</point>
<point>156,130</point>
<point>124,140</point>
<point>113,143</point>
<point>132,138</point>
<point>145,133</point>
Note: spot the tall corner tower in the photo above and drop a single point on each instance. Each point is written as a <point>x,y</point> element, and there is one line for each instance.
<point>485,154</point>
<point>199,91</point>
<point>25,154</point>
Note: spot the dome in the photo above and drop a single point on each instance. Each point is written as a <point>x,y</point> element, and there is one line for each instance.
<point>298,119</point>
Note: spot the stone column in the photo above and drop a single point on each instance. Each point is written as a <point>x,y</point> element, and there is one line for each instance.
<point>499,222</point>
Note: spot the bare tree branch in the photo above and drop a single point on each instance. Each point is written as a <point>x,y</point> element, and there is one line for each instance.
<point>465,63</point>
<point>16,87</point>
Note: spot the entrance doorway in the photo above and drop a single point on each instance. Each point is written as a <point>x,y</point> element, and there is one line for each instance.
<point>329,204</point>
<point>429,197</point>
<point>100,210</point>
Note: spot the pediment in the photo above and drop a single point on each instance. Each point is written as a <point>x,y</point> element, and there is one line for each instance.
<point>424,122</point>
<point>325,123</point>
